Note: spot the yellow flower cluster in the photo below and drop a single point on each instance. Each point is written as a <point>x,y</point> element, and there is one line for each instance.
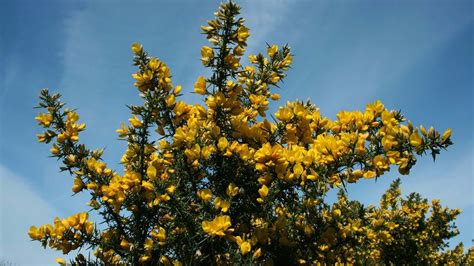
<point>44,119</point>
<point>388,233</point>
<point>65,234</point>
<point>154,73</point>
<point>69,131</point>
<point>217,227</point>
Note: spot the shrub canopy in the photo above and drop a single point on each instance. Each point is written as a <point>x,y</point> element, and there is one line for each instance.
<point>227,183</point>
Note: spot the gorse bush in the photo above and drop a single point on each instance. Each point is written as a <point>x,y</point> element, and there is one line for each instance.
<point>227,183</point>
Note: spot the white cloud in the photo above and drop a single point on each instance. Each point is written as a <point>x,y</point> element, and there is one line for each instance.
<point>21,207</point>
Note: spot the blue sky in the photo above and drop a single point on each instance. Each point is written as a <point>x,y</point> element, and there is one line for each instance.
<point>416,56</point>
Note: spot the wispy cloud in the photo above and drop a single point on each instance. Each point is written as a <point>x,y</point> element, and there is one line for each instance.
<point>21,207</point>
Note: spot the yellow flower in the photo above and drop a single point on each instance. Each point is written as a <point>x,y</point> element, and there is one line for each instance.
<point>125,245</point>
<point>380,162</point>
<point>275,96</point>
<point>200,85</point>
<point>34,233</point>
<point>92,186</point>
<point>44,119</point>
<point>446,135</point>
<point>135,121</point>
<point>153,64</point>
<point>177,90</point>
<point>257,254</point>
<point>171,189</point>
<point>206,54</point>
<point>272,50</point>
<point>160,235</point>
<point>232,61</point>
<point>239,50</point>
<point>415,139</point>
<point>137,48</point>
<point>205,194</point>
<point>222,143</point>
<point>253,59</point>
<point>242,33</point>
<point>143,80</point>
<point>232,190</point>
<point>370,174</point>
<point>284,114</point>
<point>148,186</point>
<point>164,260</point>
<point>151,172</point>
<point>123,130</point>
<point>287,61</point>
<point>275,78</point>
<point>308,230</point>
<point>207,29</point>
<point>55,149</point>
<point>144,259</point>
<point>78,185</point>
<point>218,226</point>
<point>263,191</point>
<point>89,228</point>
<point>298,169</point>
<point>72,116</point>
<point>60,261</point>
<point>245,247</point>
<point>170,100</point>
<point>41,137</point>
<point>377,107</point>
<point>221,204</point>
<point>391,225</point>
